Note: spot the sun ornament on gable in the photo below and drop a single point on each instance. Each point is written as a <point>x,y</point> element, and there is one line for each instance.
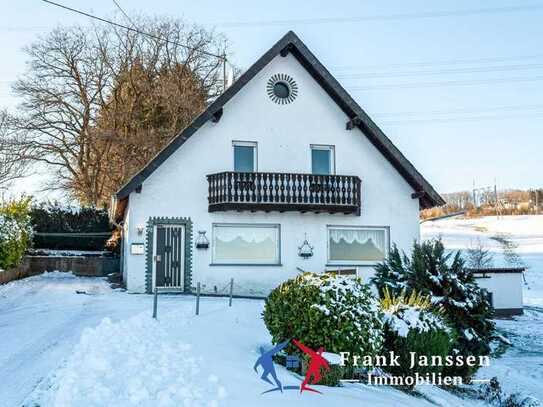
<point>282,89</point>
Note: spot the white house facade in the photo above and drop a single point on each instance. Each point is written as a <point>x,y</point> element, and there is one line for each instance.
<point>284,172</point>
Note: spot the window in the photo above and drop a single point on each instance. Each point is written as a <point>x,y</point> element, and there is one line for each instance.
<point>244,156</point>
<point>322,160</point>
<point>281,90</point>
<point>357,245</point>
<point>246,244</point>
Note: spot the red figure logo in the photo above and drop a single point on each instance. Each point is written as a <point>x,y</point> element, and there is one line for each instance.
<point>316,362</point>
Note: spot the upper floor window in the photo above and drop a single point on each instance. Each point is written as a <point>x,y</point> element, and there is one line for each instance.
<point>245,156</point>
<point>322,160</point>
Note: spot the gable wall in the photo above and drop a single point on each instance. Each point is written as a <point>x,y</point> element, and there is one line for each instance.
<point>178,188</point>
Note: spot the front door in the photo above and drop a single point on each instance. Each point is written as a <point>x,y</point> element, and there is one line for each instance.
<point>169,256</point>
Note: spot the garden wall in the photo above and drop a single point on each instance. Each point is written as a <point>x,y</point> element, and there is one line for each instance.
<point>81,266</point>
<point>15,273</point>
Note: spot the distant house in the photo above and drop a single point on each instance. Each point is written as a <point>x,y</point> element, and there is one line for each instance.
<point>283,172</point>
<point>504,286</point>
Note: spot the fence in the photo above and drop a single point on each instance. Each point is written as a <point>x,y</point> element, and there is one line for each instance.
<point>226,292</point>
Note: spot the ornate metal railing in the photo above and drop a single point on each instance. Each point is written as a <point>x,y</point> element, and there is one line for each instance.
<point>273,191</point>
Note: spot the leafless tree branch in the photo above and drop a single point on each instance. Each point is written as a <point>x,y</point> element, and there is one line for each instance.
<point>100,101</point>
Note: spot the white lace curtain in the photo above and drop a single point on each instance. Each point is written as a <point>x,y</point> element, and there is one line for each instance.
<point>361,236</point>
<point>248,234</point>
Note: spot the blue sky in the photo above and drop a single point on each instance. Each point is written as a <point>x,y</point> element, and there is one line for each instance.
<point>461,94</point>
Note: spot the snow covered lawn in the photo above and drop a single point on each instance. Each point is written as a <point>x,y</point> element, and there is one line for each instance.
<point>60,351</point>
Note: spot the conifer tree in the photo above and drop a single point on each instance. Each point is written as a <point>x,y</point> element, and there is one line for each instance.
<point>432,271</point>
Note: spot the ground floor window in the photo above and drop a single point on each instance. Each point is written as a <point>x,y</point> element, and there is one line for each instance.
<point>357,245</point>
<point>246,244</point>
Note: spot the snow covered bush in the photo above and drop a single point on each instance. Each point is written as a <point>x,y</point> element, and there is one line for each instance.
<point>15,232</point>
<point>335,312</point>
<point>412,324</point>
<point>442,276</point>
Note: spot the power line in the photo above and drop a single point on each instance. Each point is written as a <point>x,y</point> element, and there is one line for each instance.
<point>384,17</point>
<point>501,68</point>
<point>24,27</point>
<point>124,14</point>
<point>156,37</point>
<point>535,115</point>
<point>446,62</point>
<point>469,82</point>
<point>459,111</point>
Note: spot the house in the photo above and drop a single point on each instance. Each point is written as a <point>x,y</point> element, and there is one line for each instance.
<point>283,172</point>
<point>504,286</point>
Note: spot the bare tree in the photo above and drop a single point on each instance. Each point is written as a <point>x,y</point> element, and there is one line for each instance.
<point>12,167</point>
<point>478,256</point>
<point>73,91</point>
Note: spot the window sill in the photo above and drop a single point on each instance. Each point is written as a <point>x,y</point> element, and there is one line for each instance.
<point>352,264</point>
<point>246,264</point>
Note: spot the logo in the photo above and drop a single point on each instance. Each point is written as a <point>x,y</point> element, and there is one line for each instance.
<point>312,376</point>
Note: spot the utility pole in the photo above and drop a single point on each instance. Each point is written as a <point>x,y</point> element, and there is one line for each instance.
<point>496,199</point>
<point>224,72</point>
<point>474,196</point>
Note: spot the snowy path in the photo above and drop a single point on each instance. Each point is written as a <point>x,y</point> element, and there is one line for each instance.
<point>41,318</point>
<point>520,369</point>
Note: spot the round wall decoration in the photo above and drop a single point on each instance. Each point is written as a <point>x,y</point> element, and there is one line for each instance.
<point>282,89</point>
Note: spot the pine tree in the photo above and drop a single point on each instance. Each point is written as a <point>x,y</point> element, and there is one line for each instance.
<point>431,271</point>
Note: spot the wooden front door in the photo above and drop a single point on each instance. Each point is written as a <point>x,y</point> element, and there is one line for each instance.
<point>169,256</point>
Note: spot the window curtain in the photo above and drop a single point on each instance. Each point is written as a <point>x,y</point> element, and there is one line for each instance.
<point>238,244</point>
<point>357,244</point>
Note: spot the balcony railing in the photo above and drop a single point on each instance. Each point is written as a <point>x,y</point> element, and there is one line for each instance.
<point>272,191</point>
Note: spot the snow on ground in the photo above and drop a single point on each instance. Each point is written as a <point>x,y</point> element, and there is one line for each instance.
<point>136,361</point>
<point>41,318</point>
<point>68,253</point>
<point>129,359</point>
<point>521,367</point>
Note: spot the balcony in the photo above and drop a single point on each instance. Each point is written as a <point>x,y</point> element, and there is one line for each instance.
<point>272,191</point>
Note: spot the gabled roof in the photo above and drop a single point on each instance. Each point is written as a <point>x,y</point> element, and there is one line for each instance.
<point>290,42</point>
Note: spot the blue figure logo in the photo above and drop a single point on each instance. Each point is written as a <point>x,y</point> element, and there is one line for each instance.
<point>268,368</point>
<point>313,374</point>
